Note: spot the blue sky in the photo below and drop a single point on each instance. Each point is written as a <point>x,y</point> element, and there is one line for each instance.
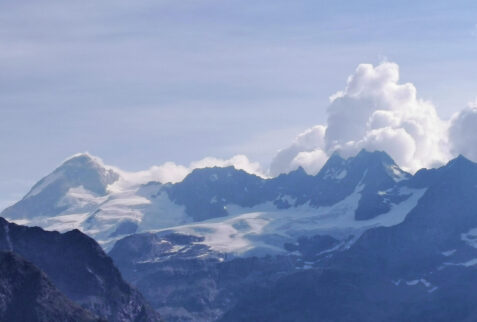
<point>142,82</point>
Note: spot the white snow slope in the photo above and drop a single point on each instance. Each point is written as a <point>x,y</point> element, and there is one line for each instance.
<point>262,229</point>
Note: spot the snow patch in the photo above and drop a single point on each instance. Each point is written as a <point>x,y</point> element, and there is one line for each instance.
<point>421,281</point>
<point>162,212</point>
<point>335,174</point>
<point>98,278</point>
<point>341,175</point>
<point>7,237</point>
<point>470,237</point>
<point>448,253</point>
<point>397,174</point>
<point>80,200</point>
<point>432,289</point>
<point>468,263</point>
<point>287,199</point>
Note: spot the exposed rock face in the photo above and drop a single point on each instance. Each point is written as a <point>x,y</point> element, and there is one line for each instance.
<point>423,269</point>
<point>26,294</point>
<point>80,269</point>
<point>360,241</point>
<point>338,178</point>
<point>420,269</point>
<point>186,281</point>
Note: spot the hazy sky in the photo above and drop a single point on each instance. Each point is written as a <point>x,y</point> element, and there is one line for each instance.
<point>142,82</point>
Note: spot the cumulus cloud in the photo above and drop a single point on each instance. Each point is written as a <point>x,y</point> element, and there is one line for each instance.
<point>302,152</point>
<point>311,161</point>
<point>463,134</point>
<point>375,112</point>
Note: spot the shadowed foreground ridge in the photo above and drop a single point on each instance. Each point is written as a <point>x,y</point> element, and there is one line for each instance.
<point>80,269</point>
<point>26,294</point>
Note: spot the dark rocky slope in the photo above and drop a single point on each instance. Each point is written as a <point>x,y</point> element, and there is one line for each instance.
<point>80,269</point>
<point>192,283</point>
<point>26,294</point>
<point>424,269</point>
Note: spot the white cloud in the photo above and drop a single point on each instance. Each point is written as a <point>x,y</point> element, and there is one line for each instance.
<point>463,134</point>
<point>172,172</point>
<point>299,153</point>
<point>167,172</point>
<point>239,161</point>
<point>374,112</point>
<point>311,161</point>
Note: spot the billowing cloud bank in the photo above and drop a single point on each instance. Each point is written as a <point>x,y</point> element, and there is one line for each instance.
<point>376,112</point>
<point>463,132</point>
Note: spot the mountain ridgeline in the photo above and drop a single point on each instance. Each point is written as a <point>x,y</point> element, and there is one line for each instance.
<point>362,240</point>
<point>77,195</point>
<point>376,171</point>
<point>423,269</point>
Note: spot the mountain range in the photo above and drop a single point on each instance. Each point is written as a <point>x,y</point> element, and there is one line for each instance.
<point>362,240</point>
<point>364,191</point>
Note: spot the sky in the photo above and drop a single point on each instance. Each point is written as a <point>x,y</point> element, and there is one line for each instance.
<point>140,83</point>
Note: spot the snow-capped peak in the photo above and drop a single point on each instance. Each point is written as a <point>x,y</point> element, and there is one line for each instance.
<point>79,170</point>
<point>44,199</point>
